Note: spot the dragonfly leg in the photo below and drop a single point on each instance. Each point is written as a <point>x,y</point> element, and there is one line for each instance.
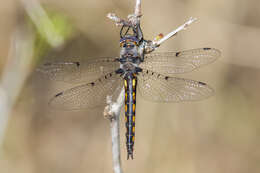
<point>137,29</point>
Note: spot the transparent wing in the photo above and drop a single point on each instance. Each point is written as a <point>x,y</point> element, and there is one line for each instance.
<point>78,71</point>
<point>169,63</point>
<point>155,87</point>
<point>88,95</point>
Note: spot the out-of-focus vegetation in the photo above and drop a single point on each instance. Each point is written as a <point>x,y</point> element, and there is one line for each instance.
<point>220,134</point>
<point>57,24</point>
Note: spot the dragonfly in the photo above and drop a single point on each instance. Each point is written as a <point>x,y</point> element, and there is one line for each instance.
<point>135,70</point>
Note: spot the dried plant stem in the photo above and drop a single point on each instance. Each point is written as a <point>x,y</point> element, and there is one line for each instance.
<point>132,19</point>
<point>112,112</point>
<point>174,32</point>
<point>138,11</point>
<point>115,135</point>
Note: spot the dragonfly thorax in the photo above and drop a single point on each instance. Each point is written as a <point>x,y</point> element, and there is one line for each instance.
<point>129,67</point>
<point>130,55</point>
<point>129,64</point>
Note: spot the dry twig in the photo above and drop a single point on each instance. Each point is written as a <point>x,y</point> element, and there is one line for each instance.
<point>174,32</point>
<point>112,113</point>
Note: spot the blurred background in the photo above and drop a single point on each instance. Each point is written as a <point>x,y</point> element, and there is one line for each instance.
<point>219,134</point>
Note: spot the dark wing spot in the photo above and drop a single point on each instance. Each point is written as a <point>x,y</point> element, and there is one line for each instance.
<point>106,77</point>
<point>202,83</point>
<point>177,54</point>
<point>92,83</point>
<point>206,48</point>
<point>78,64</point>
<point>58,94</point>
<point>166,77</point>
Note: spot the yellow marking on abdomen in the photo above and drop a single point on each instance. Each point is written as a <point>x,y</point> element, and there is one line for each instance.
<point>134,95</point>
<point>133,129</point>
<point>125,83</point>
<point>134,107</point>
<point>125,108</point>
<point>134,82</point>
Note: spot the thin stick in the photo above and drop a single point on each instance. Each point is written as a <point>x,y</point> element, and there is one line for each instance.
<point>138,8</point>
<point>112,112</point>
<point>116,19</point>
<point>174,32</point>
<point>132,19</point>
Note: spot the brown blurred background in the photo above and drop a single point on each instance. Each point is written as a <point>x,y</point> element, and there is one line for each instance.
<point>220,134</point>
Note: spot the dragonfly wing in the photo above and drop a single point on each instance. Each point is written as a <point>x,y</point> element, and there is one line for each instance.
<point>88,95</point>
<point>169,63</point>
<point>78,71</point>
<point>155,87</point>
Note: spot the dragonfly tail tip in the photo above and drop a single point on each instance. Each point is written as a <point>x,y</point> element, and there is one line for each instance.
<point>130,155</point>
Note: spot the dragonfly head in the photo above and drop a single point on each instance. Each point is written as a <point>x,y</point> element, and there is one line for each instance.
<point>129,46</point>
<point>129,41</point>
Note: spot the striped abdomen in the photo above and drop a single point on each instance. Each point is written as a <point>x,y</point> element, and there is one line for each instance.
<point>130,82</point>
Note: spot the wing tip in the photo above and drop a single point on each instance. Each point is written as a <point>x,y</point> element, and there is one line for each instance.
<point>217,51</point>
<point>210,91</point>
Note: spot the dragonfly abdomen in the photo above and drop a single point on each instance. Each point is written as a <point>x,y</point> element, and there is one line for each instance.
<point>130,82</point>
